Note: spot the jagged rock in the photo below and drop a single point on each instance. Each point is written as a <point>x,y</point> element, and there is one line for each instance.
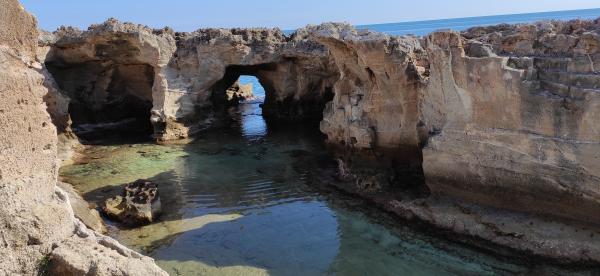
<point>89,253</point>
<point>239,92</point>
<point>36,215</point>
<point>32,215</point>
<point>139,204</point>
<point>81,209</point>
<point>517,130</point>
<point>170,76</point>
<point>375,102</point>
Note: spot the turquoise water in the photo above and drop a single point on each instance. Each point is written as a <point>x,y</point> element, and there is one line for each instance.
<point>240,201</point>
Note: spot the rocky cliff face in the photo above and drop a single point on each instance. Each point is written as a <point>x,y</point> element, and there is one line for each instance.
<point>39,232</point>
<point>174,79</point>
<point>517,127</point>
<point>501,116</point>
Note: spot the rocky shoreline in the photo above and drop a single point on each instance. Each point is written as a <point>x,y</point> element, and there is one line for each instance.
<point>497,124</point>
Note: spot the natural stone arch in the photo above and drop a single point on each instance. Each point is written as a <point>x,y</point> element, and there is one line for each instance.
<point>298,75</point>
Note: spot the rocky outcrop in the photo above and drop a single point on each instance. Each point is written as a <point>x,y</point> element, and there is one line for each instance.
<point>108,75</point>
<point>238,93</point>
<point>35,215</point>
<point>517,127</point>
<point>82,210</point>
<point>380,83</point>
<point>88,253</point>
<point>174,80</point>
<point>139,203</point>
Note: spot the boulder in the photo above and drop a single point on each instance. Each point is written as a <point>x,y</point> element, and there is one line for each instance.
<point>239,92</point>
<point>139,203</point>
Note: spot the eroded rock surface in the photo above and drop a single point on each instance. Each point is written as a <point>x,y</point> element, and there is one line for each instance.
<point>239,92</point>
<point>517,130</point>
<point>139,203</point>
<point>503,116</point>
<point>88,253</point>
<point>36,216</point>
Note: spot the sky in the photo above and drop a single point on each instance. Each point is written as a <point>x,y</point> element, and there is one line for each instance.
<point>189,15</point>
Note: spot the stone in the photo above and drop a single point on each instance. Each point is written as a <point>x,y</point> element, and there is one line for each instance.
<point>89,253</point>
<point>139,203</point>
<point>36,217</point>
<point>239,92</point>
<point>516,130</point>
<point>174,78</point>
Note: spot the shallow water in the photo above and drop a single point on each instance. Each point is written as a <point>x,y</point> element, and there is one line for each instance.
<point>238,202</point>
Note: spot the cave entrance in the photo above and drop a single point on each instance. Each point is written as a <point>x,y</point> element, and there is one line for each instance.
<point>252,123</point>
<point>107,101</point>
<point>239,98</point>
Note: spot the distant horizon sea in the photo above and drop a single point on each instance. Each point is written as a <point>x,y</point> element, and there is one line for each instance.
<point>424,27</point>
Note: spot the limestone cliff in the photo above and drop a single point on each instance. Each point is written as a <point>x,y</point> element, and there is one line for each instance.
<point>99,69</point>
<point>517,108</point>
<point>39,232</point>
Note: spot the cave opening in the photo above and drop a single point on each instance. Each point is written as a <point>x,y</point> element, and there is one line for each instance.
<point>239,98</point>
<point>107,101</point>
<point>271,95</point>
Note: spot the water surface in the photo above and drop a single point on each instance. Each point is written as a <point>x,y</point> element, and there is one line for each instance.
<point>238,201</point>
<point>425,27</point>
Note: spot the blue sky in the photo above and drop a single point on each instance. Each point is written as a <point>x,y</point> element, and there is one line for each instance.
<point>189,15</point>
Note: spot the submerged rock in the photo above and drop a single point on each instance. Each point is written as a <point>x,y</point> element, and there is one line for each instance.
<point>139,204</point>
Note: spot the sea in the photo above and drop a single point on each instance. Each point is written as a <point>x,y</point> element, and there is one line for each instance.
<point>424,27</point>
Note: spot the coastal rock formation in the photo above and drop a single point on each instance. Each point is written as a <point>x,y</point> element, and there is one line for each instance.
<point>88,253</point>
<point>174,79</point>
<point>518,128</point>
<point>502,116</point>
<point>139,204</point>
<point>375,102</point>
<point>35,215</point>
<point>238,93</point>
<point>505,114</point>
<point>81,209</point>
<point>107,76</point>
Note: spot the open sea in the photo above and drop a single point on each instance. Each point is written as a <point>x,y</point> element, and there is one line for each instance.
<point>458,24</point>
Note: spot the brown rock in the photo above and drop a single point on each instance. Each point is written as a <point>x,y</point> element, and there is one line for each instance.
<point>139,204</point>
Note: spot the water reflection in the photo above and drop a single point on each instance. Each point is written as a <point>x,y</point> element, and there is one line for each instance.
<point>237,203</point>
<point>253,124</point>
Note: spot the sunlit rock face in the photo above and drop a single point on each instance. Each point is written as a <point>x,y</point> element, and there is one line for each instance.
<point>296,73</point>
<point>514,124</point>
<point>376,97</point>
<point>32,215</point>
<point>503,114</point>
<point>172,79</point>
<point>36,218</point>
<point>108,75</point>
